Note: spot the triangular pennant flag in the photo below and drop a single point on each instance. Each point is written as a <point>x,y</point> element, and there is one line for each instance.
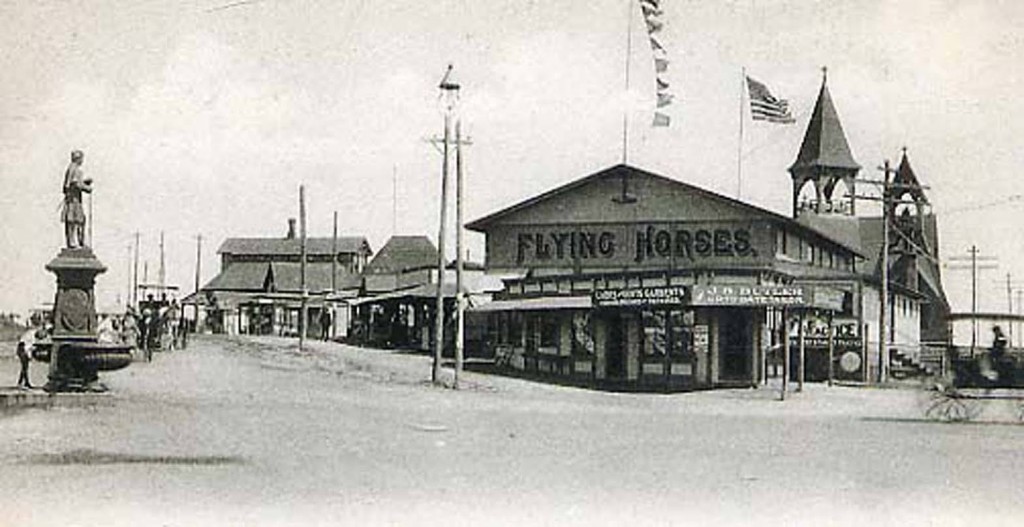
<point>655,45</point>
<point>662,84</point>
<point>660,65</point>
<point>652,3</point>
<point>660,119</point>
<point>665,99</point>
<point>650,11</point>
<point>654,26</point>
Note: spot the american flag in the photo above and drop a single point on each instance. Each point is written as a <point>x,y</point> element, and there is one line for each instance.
<point>766,107</point>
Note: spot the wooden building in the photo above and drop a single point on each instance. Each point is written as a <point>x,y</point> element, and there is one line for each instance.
<point>259,287</point>
<point>632,280</point>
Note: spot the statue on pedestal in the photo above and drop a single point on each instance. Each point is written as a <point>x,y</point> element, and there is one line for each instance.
<point>75,353</point>
<point>73,215</point>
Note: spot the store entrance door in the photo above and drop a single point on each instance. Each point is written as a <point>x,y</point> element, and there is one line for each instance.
<point>615,346</point>
<point>735,333</point>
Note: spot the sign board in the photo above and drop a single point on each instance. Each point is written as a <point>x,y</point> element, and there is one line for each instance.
<point>660,245</point>
<point>640,296</point>
<point>827,298</point>
<point>752,295</point>
<point>701,341</point>
<point>845,333</point>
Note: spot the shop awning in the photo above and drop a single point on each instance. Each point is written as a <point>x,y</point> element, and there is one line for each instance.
<point>536,304</point>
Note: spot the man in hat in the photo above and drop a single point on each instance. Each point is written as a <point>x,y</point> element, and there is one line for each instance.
<point>75,183</point>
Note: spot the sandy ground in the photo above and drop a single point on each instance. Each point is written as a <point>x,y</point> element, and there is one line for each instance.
<point>250,432</point>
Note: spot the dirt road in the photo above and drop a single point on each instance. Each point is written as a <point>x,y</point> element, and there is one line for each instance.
<point>235,432</point>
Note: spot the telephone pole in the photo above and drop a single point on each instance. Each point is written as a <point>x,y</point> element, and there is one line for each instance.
<point>986,262</point>
<point>883,319</point>
<point>199,263</point>
<point>888,201</point>
<point>449,94</point>
<point>163,270</point>
<point>334,256</point>
<point>302,266</point>
<point>460,336</point>
<point>135,273</point>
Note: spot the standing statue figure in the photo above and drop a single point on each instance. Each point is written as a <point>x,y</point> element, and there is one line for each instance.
<point>75,183</point>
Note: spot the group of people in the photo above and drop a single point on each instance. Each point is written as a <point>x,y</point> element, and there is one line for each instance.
<point>156,325</point>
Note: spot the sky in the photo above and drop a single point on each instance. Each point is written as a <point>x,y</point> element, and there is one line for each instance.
<point>204,117</point>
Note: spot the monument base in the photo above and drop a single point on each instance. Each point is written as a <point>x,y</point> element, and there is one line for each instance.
<point>75,356</point>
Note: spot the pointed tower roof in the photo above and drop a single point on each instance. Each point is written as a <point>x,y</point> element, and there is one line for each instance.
<point>824,142</point>
<point>906,180</point>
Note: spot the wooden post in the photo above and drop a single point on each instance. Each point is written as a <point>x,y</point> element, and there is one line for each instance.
<point>883,333</point>
<point>864,352</point>
<point>802,354</point>
<point>334,255</point>
<point>135,274</point>
<point>785,356</point>
<point>302,266</point>
<point>831,350</point>
<point>460,335</point>
<point>163,269</point>
<point>199,263</point>
<point>435,375</point>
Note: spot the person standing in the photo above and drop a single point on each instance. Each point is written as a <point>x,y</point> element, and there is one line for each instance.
<point>325,324</point>
<point>23,357</point>
<point>73,215</point>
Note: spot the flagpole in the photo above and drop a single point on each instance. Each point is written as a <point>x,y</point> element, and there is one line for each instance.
<point>739,146</point>
<point>625,104</point>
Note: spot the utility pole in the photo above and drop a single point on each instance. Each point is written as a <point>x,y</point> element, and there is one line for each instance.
<point>888,202</point>
<point>883,318</point>
<point>460,331</point>
<point>450,94</point>
<point>128,297</point>
<point>1020,334</point>
<point>135,273</point>
<point>334,256</point>
<point>163,271</point>
<point>199,264</point>
<point>394,200</point>
<point>975,263</point>
<point>1009,302</point>
<point>302,266</point>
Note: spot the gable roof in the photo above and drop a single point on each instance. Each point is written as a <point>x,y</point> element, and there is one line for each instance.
<point>287,277</point>
<point>824,142</point>
<point>403,253</point>
<point>240,276</point>
<point>622,170</point>
<point>292,246</point>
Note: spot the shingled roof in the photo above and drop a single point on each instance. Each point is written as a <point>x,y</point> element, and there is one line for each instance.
<point>287,277</point>
<point>291,246</point>
<point>240,276</point>
<point>824,143</point>
<point>403,253</point>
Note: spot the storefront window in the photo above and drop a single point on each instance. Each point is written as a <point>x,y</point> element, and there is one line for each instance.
<point>549,329</point>
<point>515,329</point>
<point>582,338</point>
<point>653,324</point>
<point>681,332</point>
<point>667,331</point>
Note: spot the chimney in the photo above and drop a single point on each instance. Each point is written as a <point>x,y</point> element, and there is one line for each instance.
<point>291,228</point>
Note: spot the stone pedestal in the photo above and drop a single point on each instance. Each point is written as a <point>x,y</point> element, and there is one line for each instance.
<point>75,355</point>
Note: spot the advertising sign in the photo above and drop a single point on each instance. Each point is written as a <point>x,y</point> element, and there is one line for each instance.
<point>751,295</point>
<point>621,245</point>
<point>640,296</point>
